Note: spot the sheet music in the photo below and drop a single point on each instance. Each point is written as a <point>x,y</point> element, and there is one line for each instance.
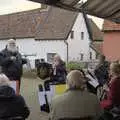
<point>54,90</point>
<point>92,81</point>
<point>41,97</point>
<point>13,85</point>
<point>49,96</point>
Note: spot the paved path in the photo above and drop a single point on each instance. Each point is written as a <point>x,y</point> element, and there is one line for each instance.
<point>29,91</point>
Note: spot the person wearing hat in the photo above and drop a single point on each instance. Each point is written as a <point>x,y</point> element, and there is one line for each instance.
<point>76,102</point>
<point>11,105</point>
<point>11,63</point>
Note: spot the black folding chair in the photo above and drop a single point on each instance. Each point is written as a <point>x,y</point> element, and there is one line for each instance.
<point>85,118</point>
<point>12,118</point>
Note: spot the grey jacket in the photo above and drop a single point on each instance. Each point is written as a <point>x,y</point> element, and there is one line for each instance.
<point>75,103</point>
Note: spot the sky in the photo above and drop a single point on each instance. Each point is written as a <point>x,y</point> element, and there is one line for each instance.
<point>12,6</point>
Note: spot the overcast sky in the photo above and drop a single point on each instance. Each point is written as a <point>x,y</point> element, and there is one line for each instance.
<point>10,6</point>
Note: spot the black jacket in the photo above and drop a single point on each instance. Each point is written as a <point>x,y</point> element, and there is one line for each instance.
<point>60,73</point>
<point>101,72</point>
<point>11,68</point>
<point>12,105</point>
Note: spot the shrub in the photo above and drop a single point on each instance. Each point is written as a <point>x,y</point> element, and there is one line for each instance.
<point>75,65</point>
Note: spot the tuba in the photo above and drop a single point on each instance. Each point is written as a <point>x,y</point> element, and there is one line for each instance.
<point>44,70</point>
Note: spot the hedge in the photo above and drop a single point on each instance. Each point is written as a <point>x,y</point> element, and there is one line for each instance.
<point>76,65</point>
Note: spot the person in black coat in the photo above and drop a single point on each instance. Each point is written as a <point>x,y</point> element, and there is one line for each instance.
<point>102,71</point>
<point>59,69</point>
<point>11,63</point>
<point>11,105</point>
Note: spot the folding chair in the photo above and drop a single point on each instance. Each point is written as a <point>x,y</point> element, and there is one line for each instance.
<point>47,91</point>
<point>13,118</point>
<point>85,118</point>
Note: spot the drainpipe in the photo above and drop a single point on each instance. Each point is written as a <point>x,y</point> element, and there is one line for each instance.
<point>65,41</point>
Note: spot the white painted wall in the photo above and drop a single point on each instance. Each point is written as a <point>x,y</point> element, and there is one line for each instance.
<point>76,45</point>
<point>2,44</point>
<point>93,54</point>
<point>39,49</point>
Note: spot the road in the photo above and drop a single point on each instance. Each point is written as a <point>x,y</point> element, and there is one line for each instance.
<point>29,88</point>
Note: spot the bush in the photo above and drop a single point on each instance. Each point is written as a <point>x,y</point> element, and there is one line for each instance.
<point>75,65</point>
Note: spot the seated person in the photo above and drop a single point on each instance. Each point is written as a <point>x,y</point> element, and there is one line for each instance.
<point>59,70</point>
<point>113,90</point>
<point>11,105</point>
<point>76,102</point>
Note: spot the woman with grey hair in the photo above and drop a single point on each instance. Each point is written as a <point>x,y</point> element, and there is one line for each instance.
<point>59,69</point>
<point>11,105</point>
<point>76,102</point>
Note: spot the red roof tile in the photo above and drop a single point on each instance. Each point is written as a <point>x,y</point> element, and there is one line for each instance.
<point>52,23</point>
<point>21,24</point>
<point>110,26</point>
<point>48,24</point>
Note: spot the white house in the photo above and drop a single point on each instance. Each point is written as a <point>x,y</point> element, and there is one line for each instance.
<point>42,33</point>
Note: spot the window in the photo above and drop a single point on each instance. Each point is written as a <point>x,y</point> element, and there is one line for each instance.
<point>90,55</point>
<point>72,34</point>
<point>50,57</point>
<point>81,56</point>
<point>97,55</point>
<point>82,35</point>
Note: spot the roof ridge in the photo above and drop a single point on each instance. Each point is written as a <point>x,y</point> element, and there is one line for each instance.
<point>110,26</point>
<point>27,11</point>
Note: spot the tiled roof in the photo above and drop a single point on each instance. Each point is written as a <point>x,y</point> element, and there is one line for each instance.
<point>97,46</point>
<point>50,24</point>
<point>53,23</point>
<point>110,26</point>
<point>96,33</point>
<point>57,25</point>
<point>21,24</point>
<point>107,9</point>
